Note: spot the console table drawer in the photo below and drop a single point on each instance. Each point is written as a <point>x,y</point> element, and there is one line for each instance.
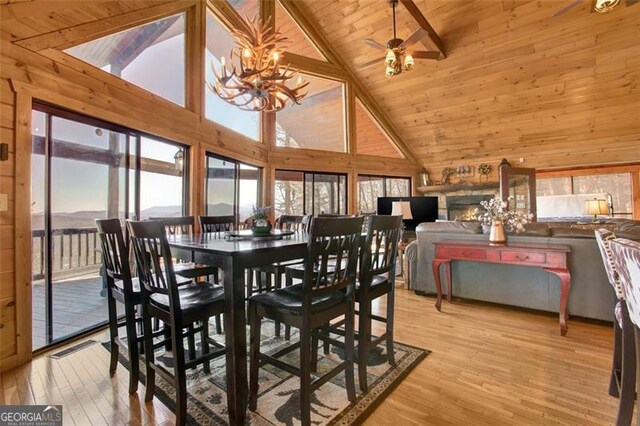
<point>464,253</point>
<point>521,257</point>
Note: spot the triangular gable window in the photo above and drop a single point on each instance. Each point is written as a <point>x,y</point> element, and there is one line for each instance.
<point>151,56</point>
<point>371,139</point>
<point>298,41</point>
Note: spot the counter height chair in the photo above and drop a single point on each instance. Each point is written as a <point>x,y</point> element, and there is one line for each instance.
<point>626,260</point>
<point>184,225</point>
<point>622,383</point>
<point>187,307</point>
<point>325,294</point>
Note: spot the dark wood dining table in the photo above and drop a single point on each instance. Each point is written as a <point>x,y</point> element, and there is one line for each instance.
<point>233,257</point>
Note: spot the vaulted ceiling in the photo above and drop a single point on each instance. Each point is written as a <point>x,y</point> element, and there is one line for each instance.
<point>516,82</point>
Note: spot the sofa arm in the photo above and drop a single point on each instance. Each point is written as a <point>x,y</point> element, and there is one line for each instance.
<point>411,255</point>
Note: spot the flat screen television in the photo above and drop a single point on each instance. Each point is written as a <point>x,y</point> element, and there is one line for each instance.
<point>423,209</point>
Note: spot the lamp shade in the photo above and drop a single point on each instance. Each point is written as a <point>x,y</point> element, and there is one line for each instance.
<point>596,207</point>
<point>402,208</point>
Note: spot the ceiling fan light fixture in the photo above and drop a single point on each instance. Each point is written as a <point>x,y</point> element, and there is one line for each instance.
<point>390,58</point>
<point>408,62</point>
<point>389,71</point>
<point>604,6</point>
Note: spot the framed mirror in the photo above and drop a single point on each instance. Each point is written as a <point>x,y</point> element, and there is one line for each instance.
<point>520,184</point>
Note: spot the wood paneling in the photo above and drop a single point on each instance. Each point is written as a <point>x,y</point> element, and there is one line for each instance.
<point>517,82</point>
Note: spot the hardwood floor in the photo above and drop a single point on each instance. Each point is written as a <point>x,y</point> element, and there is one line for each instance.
<point>489,365</point>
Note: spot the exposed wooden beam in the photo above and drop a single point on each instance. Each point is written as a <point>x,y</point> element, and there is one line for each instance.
<point>314,66</point>
<point>424,24</point>
<point>301,16</point>
<point>227,14</point>
<point>72,36</point>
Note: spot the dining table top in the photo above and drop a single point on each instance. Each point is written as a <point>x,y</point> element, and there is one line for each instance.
<point>220,243</point>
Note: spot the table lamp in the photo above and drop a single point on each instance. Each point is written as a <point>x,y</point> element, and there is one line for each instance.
<point>402,208</point>
<point>595,207</point>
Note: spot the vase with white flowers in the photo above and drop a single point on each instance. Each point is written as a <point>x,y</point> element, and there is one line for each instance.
<point>261,224</point>
<point>498,215</point>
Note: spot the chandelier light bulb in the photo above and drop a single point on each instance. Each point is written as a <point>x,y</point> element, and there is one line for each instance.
<point>276,56</point>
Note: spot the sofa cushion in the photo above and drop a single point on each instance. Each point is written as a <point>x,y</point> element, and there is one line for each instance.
<point>572,233</point>
<point>455,227</point>
<point>534,230</point>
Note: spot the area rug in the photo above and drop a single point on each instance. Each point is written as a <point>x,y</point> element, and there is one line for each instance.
<point>278,398</point>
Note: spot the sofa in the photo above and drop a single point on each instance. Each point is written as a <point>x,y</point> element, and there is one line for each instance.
<point>590,296</point>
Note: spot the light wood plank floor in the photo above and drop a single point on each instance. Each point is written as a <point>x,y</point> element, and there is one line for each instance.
<point>490,365</point>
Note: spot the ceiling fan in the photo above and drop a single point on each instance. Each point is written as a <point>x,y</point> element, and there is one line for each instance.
<point>398,58</point>
<point>600,6</point>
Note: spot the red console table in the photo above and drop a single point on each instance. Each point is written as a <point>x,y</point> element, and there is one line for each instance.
<point>550,257</point>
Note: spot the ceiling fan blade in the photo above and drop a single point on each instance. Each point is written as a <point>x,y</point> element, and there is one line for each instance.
<point>565,9</point>
<point>424,54</point>
<point>374,44</point>
<point>371,62</point>
<point>413,38</point>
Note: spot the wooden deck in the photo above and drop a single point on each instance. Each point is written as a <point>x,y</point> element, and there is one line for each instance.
<point>490,365</point>
<point>77,305</point>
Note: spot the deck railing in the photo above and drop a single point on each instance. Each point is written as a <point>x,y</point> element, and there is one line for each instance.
<point>74,249</point>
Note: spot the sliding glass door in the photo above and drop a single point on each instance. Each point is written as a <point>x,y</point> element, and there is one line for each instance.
<point>310,193</point>
<point>82,170</point>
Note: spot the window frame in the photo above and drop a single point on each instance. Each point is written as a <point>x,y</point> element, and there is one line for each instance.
<point>236,189</point>
<point>384,184</point>
<point>304,187</point>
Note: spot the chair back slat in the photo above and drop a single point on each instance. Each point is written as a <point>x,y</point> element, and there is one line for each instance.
<point>296,223</point>
<point>604,238</point>
<point>332,255</point>
<point>182,225</point>
<point>380,249</point>
<point>114,252</point>
<point>626,258</point>
<point>209,224</point>
<point>153,258</point>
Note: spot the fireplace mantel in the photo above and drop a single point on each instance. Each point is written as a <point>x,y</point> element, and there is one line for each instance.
<point>454,187</point>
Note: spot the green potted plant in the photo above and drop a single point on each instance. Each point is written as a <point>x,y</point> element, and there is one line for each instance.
<point>261,224</point>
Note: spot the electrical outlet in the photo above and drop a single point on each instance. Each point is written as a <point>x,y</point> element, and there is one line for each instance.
<point>4,202</point>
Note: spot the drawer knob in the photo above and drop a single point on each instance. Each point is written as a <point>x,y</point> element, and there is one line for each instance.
<point>522,257</point>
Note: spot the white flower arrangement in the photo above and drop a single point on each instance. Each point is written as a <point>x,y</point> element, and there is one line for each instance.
<point>496,210</point>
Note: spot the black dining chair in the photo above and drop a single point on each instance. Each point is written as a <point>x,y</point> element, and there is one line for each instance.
<point>325,293</point>
<point>121,289</point>
<point>217,224</point>
<point>186,309</point>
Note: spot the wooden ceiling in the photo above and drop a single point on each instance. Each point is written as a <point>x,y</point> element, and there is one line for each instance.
<point>516,82</point>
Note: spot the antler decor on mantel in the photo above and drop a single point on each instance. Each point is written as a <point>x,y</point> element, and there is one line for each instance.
<point>260,83</point>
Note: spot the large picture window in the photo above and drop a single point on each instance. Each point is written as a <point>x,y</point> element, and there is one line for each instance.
<point>310,193</point>
<point>231,187</point>
<point>372,187</point>
<point>618,185</point>
<point>151,56</point>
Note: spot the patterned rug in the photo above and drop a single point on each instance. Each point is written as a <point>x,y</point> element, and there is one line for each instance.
<point>278,398</point>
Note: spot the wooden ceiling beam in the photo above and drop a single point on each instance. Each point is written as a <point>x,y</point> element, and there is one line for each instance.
<point>301,17</point>
<point>424,24</point>
<point>79,34</point>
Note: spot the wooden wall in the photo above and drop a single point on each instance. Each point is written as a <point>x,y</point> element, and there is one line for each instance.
<point>517,82</point>
<point>32,67</point>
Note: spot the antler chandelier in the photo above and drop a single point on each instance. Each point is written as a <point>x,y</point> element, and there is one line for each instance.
<point>260,83</point>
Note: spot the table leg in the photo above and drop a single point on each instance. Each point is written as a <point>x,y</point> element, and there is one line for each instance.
<point>565,285</point>
<point>236,342</point>
<point>436,277</point>
<point>447,270</point>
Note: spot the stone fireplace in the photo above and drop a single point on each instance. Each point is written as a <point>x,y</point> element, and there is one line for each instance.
<point>461,207</point>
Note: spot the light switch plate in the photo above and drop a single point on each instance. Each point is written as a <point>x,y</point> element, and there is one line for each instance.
<point>4,202</point>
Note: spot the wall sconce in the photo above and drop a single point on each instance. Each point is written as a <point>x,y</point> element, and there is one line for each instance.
<point>4,151</point>
<point>179,160</point>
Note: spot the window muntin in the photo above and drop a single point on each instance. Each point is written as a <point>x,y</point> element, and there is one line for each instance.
<point>310,193</point>
<point>151,56</point>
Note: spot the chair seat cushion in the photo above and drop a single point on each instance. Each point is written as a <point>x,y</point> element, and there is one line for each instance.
<point>376,282</point>
<point>192,270</point>
<point>290,298</point>
<point>192,296</point>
